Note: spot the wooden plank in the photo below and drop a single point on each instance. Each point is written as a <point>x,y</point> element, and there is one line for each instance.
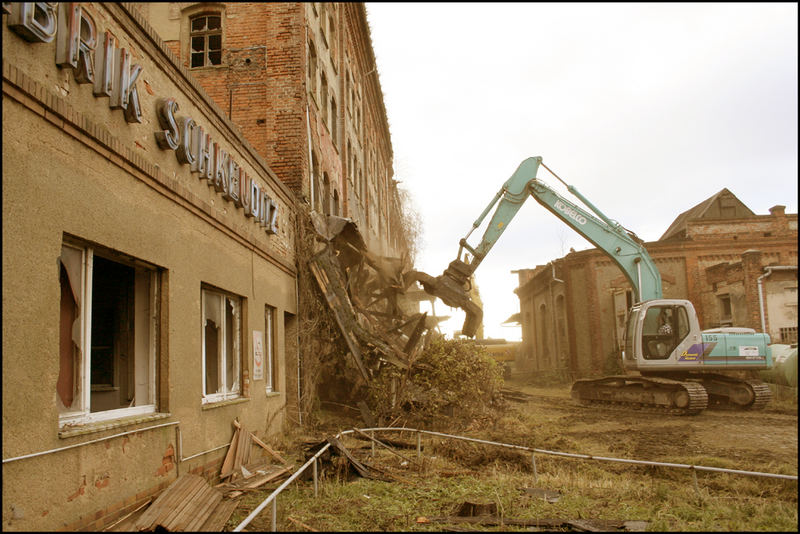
<point>204,507</point>
<point>163,501</point>
<point>266,478</point>
<point>184,507</point>
<point>211,505</point>
<point>219,516</point>
<point>247,444</point>
<point>168,499</point>
<point>227,464</point>
<point>269,449</point>
<point>301,524</point>
<point>237,461</point>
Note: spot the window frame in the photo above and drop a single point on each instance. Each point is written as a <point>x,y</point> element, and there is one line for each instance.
<point>195,11</point>
<point>270,331</point>
<point>80,412</point>
<point>237,390</point>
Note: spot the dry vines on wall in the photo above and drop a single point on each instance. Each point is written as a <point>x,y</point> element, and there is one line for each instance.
<point>319,337</point>
<point>359,346</point>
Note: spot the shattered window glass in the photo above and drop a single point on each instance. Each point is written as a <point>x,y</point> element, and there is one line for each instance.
<point>206,40</point>
<point>221,345</point>
<point>107,336</point>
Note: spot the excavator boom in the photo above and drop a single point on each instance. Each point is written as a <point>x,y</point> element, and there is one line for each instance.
<point>620,245</point>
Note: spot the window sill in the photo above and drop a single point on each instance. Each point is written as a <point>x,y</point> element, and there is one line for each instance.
<point>220,404</point>
<point>271,394</point>
<point>208,67</point>
<point>90,428</point>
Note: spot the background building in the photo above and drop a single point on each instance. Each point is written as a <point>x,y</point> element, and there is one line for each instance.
<point>736,267</point>
<point>301,82</point>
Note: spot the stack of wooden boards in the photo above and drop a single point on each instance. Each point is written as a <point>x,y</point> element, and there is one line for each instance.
<point>244,472</point>
<point>191,504</point>
<point>188,504</point>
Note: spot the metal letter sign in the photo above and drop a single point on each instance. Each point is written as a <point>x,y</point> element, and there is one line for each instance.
<point>34,21</point>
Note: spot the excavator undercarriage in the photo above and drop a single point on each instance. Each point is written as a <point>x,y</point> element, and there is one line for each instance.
<point>687,394</point>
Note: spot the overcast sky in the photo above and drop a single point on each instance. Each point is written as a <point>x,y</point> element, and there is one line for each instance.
<point>647,109</point>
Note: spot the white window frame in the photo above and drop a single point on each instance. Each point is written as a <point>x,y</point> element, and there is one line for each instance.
<point>81,413</point>
<point>236,389</point>
<point>269,347</point>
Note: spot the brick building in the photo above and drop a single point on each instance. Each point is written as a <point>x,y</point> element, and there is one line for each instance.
<point>300,81</point>
<point>737,268</point>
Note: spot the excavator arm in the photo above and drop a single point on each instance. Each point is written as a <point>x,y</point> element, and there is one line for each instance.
<point>622,246</point>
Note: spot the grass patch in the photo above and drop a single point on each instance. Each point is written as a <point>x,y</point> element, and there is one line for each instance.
<point>666,498</point>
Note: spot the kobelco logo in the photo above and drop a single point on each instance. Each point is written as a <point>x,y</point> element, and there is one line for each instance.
<point>571,213</point>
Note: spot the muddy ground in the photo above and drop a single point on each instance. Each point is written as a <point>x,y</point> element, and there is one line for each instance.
<point>757,440</point>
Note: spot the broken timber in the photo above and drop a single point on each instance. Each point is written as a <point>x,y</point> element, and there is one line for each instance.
<point>361,290</point>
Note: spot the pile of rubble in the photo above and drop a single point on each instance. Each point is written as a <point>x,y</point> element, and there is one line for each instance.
<point>372,298</point>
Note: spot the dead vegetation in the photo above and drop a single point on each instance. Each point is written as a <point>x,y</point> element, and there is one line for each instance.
<point>427,494</point>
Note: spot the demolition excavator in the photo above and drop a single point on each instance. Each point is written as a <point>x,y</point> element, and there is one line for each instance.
<point>672,366</point>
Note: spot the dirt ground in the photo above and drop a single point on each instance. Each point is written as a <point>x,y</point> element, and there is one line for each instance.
<point>757,440</point>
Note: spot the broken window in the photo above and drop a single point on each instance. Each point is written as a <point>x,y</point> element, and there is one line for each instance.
<point>269,347</point>
<point>206,40</point>
<point>107,335</point>
<point>222,352</point>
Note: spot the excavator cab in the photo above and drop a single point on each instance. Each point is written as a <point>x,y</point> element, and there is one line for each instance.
<point>655,330</point>
<point>664,335</point>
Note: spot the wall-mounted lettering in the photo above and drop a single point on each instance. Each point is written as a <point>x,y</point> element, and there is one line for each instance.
<point>105,65</point>
<point>211,162</point>
<point>76,41</point>
<point>96,58</point>
<point>33,21</point>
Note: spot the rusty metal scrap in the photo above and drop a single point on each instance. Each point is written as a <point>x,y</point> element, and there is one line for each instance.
<point>365,293</point>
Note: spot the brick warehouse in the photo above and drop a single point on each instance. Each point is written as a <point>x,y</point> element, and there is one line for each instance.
<point>737,268</point>
<point>300,81</point>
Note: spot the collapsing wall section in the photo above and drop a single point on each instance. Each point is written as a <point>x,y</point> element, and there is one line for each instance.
<point>365,292</point>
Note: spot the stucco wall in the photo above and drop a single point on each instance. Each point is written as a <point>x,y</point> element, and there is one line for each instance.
<point>74,166</point>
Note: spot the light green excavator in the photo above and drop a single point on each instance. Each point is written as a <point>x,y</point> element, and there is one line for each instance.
<point>672,366</point>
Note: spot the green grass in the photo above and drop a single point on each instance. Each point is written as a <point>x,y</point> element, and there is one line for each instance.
<point>666,499</point>
<point>454,472</point>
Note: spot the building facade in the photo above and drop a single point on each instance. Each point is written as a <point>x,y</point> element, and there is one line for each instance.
<point>736,267</point>
<point>149,277</point>
<point>301,82</point>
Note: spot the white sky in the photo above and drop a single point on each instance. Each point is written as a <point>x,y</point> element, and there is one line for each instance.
<point>647,109</point>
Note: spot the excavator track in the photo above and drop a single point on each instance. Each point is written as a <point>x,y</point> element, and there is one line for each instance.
<point>648,394</point>
<point>735,393</point>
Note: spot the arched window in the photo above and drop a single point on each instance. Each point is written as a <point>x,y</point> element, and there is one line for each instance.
<point>323,99</point>
<point>326,194</point>
<point>312,68</point>
<point>205,39</point>
<point>544,338</point>
<point>561,330</point>
<point>336,202</point>
<point>317,200</point>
